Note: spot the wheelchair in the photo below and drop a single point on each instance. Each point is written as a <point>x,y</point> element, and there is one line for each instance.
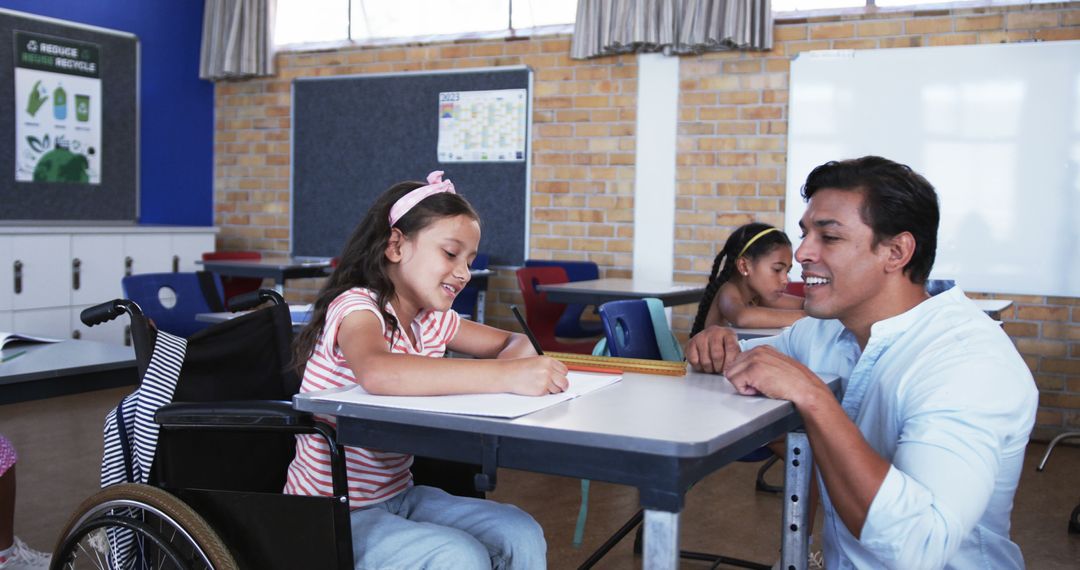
<point>195,459</point>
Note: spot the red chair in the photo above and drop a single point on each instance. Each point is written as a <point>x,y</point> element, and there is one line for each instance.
<point>234,286</point>
<point>542,315</point>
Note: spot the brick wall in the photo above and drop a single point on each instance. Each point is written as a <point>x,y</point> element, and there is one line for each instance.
<point>731,154</point>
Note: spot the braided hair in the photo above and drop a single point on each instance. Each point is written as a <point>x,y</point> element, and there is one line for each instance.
<point>724,264</point>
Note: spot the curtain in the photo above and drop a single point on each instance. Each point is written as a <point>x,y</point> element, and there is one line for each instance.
<point>237,39</point>
<point>608,27</point>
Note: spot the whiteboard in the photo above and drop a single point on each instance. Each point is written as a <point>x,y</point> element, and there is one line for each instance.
<point>995,128</point>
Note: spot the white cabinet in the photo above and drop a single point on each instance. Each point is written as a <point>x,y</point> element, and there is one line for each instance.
<point>41,267</point>
<point>49,274</point>
<point>99,268</point>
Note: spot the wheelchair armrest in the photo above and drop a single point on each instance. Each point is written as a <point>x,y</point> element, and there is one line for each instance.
<point>256,414</point>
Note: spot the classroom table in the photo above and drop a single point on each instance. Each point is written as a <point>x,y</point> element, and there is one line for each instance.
<point>600,291</point>
<point>44,370</point>
<point>993,307</point>
<point>278,269</point>
<point>299,313</point>
<point>658,433</point>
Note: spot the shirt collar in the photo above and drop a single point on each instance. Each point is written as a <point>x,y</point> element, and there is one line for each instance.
<point>901,323</point>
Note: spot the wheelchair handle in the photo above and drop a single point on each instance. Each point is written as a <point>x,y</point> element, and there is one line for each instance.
<point>254,299</point>
<point>108,311</point>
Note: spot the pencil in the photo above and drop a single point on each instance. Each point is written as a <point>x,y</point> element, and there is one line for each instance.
<point>12,356</point>
<point>528,331</point>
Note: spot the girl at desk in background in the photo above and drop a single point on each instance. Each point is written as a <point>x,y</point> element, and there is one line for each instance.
<point>383,320</point>
<point>748,280</point>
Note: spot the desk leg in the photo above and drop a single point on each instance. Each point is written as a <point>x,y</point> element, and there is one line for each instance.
<point>279,286</point>
<point>797,476</point>
<point>661,540</point>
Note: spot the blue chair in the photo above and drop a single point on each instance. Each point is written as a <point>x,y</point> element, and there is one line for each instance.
<point>173,299</point>
<point>935,286</point>
<point>466,301</point>
<point>629,329</point>
<point>570,324</point>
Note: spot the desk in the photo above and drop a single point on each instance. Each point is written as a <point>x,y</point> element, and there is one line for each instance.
<point>992,307</point>
<point>747,334</point>
<point>278,269</point>
<point>600,291</point>
<point>300,315</point>
<point>657,433</point>
<point>66,367</point>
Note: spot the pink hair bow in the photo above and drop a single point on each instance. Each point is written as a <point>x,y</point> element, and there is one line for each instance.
<point>435,185</point>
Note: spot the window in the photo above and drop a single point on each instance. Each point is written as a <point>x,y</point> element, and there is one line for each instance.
<point>320,21</point>
<point>317,21</point>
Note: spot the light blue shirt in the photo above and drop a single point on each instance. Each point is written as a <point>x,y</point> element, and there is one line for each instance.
<point>942,394</point>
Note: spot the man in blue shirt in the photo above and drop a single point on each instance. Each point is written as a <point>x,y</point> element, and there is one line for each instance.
<point>919,462</point>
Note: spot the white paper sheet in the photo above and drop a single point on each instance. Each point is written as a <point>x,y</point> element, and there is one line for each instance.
<point>490,405</point>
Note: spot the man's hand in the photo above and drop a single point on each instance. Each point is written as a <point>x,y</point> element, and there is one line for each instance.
<point>764,370</point>
<point>712,349</point>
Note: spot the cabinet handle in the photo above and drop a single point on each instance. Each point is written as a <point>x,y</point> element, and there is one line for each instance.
<point>128,263</point>
<point>76,269</point>
<point>127,335</point>
<point>18,276</point>
<point>76,334</point>
<point>176,264</point>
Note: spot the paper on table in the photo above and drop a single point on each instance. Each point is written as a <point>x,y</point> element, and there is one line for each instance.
<point>490,405</point>
<point>8,337</point>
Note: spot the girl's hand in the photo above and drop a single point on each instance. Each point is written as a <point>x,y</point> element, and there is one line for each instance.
<point>536,376</point>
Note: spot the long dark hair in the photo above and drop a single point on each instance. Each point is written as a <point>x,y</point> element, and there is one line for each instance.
<point>363,262</point>
<point>724,263</point>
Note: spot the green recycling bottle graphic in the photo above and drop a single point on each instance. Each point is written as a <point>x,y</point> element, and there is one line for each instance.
<point>38,96</point>
<point>60,103</point>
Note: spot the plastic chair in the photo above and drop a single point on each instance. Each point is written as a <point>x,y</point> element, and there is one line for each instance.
<point>173,299</point>
<point>540,314</point>
<point>465,302</point>
<point>234,286</point>
<point>629,329</point>
<point>935,286</point>
<point>570,324</point>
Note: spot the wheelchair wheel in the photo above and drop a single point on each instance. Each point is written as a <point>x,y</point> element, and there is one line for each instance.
<point>166,533</point>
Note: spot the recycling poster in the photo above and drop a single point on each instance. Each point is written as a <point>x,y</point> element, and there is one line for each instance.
<point>57,110</point>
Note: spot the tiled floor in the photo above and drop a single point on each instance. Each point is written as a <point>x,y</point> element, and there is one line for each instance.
<point>59,441</point>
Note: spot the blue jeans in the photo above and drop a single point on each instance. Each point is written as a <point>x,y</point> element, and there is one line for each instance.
<point>425,527</point>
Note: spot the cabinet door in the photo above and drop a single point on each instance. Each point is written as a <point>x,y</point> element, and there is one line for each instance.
<point>112,332</point>
<point>44,262</point>
<point>7,284</point>
<point>51,323</point>
<point>6,324</point>
<point>148,253</point>
<point>188,248</point>
<point>100,260</point>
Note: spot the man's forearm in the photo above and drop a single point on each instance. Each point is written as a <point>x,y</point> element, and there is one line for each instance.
<point>851,470</point>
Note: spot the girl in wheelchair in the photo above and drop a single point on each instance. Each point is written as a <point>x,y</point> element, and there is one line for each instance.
<point>383,320</point>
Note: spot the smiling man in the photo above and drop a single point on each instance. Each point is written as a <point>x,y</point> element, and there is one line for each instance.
<point>919,461</point>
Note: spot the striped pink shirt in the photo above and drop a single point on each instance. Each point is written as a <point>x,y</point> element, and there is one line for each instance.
<point>374,476</point>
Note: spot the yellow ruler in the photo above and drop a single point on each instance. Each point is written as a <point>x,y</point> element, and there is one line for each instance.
<point>611,363</point>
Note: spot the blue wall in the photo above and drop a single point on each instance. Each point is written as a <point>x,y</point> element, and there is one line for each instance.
<point>176,107</point>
